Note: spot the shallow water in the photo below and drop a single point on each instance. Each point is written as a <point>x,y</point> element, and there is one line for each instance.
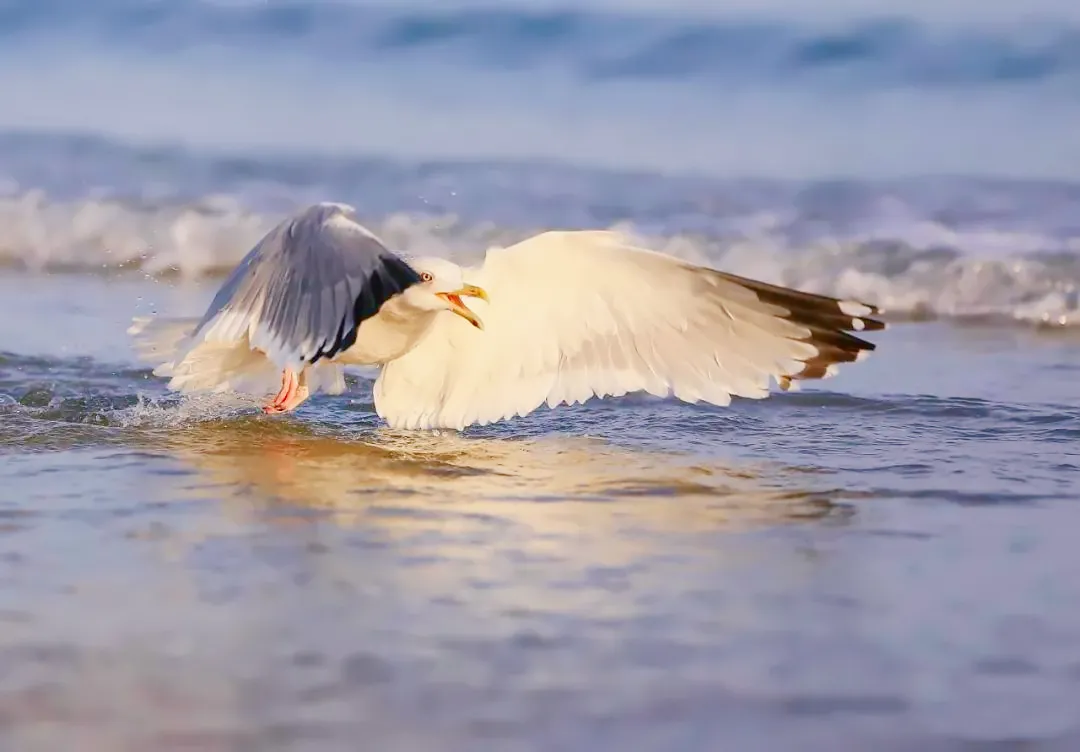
<point>880,561</point>
<point>883,561</point>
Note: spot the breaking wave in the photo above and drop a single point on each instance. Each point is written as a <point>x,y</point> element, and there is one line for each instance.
<point>993,249</point>
<point>920,269</point>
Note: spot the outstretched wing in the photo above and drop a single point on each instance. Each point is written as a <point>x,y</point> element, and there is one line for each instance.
<point>574,315</point>
<point>300,294</point>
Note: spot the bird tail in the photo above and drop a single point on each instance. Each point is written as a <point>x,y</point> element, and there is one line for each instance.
<point>217,366</point>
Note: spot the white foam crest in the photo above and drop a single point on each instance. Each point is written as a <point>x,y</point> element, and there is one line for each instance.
<point>1026,278</point>
<point>196,239</point>
<point>917,267</point>
<point>104,234</point>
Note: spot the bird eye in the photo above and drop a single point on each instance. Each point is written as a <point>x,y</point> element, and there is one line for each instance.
<point>425,276</point>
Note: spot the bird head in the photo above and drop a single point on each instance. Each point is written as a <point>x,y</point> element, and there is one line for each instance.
<point>442,287</point>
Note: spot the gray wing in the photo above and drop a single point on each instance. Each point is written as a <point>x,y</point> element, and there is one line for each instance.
<point>301,293</point>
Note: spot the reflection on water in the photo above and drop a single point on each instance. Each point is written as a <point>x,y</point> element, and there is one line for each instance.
<point>403,481</point>
<point>254,582</point>
<point>232,582</point>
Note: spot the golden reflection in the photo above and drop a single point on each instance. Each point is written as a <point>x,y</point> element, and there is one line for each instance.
<point>397,482</point>
<point>494,521</point>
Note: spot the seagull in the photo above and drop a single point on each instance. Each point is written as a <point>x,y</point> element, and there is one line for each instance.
<point>559,318</point>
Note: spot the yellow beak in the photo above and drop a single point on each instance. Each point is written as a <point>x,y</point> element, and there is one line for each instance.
<point>454,298</point>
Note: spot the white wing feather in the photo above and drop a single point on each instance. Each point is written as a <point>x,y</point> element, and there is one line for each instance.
<point>573,315</point>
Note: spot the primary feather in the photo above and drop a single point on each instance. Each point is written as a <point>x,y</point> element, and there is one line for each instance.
<point>575,315</point>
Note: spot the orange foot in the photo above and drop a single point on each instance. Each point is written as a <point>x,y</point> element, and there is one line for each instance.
<point>293,393</point>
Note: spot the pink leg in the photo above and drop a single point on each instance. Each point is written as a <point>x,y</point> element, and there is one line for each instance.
<point>293,393</point>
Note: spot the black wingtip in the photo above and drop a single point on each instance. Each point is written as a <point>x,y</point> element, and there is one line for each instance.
<point>833,326</point>
<point>391,278</point>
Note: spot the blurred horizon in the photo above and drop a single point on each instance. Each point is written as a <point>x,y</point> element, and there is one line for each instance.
<point>771,90</point>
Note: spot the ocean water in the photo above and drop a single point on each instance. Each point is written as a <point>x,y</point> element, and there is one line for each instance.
<point>880,561</point>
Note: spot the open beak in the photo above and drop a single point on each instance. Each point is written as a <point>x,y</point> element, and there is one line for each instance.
<point>468,291</point>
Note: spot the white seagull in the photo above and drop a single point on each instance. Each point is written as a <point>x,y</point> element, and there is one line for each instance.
<point>556,319</point>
